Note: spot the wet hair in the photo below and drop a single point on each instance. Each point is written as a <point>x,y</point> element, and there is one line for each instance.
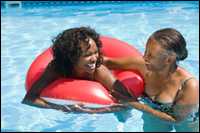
<point>67,48</point>
<point>171,40</point>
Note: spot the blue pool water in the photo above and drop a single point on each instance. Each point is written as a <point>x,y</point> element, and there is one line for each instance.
<point>27,31</point>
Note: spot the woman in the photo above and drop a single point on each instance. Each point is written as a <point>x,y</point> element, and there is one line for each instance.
<point>76,53</point>
<point>169,87</point>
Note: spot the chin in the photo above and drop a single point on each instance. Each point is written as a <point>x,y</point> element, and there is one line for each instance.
<point>149,68</point>
<point>92,71</point>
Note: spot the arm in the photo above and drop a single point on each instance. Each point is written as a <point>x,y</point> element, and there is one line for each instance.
<point>32,97</point>
<point>116,88</point>
<point>152,111</point>
<point>119,107</point>
<point>187,100</point>
<point>125,63</point>
<point>91,110</point>
<point>119,91</point>
<point>104,76</point>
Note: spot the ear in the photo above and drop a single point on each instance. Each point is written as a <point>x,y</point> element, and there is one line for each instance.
<point>169,59</point>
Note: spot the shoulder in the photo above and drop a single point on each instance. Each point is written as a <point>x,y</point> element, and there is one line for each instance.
<point>190,91</point>
<point>52,70</point>
<point>191,85</point>
<point>104,76</point>
<point>102,71</point>
<point>188,100</point>
<point>189,82</point>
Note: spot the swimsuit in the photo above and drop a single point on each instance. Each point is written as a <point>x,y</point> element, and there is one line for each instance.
<point>168,107</point>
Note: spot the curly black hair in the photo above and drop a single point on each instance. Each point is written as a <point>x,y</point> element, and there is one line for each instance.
<point>67,50</point>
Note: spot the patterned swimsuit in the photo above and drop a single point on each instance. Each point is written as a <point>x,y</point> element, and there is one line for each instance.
<point>168,107</point>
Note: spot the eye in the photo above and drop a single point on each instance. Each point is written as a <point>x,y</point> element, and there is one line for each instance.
<point>87,54</point>
<point>147,53</point>
<point>91,53</point>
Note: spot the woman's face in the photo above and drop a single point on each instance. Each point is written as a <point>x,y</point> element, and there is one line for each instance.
<point>154,56</point>
<point>87,62</point>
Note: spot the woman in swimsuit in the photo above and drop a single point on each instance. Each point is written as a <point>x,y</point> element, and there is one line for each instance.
<point>169,87</point>
<point>174,90</point>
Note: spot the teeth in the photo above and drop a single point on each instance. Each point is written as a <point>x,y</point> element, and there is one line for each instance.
<point>91,66</point>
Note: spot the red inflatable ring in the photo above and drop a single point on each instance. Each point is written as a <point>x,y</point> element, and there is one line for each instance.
<point>85,90</point>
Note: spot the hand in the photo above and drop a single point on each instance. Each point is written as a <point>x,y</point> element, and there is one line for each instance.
<point>80,105</point>
<point>63,108</point>
<point>74,108</point>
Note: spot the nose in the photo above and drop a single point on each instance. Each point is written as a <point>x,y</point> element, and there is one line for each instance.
<point>94,58</point>
<point>146,59</point>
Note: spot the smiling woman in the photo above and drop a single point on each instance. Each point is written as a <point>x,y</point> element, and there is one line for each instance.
<point>79,89</point>
<point>70,68</point>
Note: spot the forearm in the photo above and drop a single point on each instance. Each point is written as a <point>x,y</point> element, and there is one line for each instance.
<point>121,93</point>
<point>152,111</point>
<point>109,62</point>
<point>109,109</point>
<point>41,103</point>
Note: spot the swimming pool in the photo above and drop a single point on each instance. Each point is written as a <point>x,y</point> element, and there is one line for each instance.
<point>27,31</point>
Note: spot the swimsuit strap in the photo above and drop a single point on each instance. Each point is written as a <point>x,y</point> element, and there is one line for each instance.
<point>181,86</point>
<point>184,82</point>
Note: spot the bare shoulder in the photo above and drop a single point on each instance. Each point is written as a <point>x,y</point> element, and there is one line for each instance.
<point>188,100</point>
<point>102,72</point>
<point>191,85</point>
<point>51,70</point>
<point>190,92</point>
<point>49,75</point>
<point>104,76</point>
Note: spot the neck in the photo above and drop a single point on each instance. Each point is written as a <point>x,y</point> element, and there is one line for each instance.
<point>163,75</point>
<point>166,73</point>
<point>82,75</point>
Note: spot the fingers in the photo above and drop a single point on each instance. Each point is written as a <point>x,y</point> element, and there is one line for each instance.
<point>80,108</point>
<point>80,104</point>
<point>66,108</point>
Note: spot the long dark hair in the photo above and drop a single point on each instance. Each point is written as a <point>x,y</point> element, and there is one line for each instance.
<point>67,50</point>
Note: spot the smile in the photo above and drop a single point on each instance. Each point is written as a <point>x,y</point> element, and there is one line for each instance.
<point>91,66</point>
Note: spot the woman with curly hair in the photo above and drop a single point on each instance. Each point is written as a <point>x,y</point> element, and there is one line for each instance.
<point>77,54</point>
